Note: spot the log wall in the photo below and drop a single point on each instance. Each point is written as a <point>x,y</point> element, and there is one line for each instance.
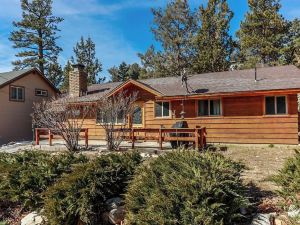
<point>243,121</point>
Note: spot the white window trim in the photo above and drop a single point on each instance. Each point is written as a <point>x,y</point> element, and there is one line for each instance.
<point>209,100</point>
<point>162,117</point>
<point>275,102</point>
<point>117,122</point>
<point>44,93</point>
<point>17,95</point>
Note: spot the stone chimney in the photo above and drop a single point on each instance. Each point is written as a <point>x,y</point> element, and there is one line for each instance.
<point>77,81</point>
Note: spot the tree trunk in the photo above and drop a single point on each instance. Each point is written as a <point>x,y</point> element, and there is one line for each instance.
<point>40,52</point>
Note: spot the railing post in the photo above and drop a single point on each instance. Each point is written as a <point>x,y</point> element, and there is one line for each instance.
<point>50,137</point>
<point>132,138</point>
<point>160,139</point>
<point>202,137</point>
<point>197,138</point>
<point>37,136</point>
<point>86,137</point>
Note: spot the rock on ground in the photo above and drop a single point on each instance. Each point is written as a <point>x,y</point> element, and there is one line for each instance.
<point>263,219</point>
<point>32,219</point>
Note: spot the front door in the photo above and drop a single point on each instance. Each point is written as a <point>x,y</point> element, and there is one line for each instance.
<point>138,115</point>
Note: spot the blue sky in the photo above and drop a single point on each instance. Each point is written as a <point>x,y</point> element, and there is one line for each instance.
<point>120,28</point>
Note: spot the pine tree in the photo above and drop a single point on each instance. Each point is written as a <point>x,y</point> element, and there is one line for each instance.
<point>261,33</point>
<point>214,45</point>
<point>126,71</point>
<point>66,72</point>
<point>291,50</point>
<point>154,63</point>
<point>174,27</point>
<point>55,74</point>
<point>135,71</point>
<point>85,53</point>
<point>36,36</point>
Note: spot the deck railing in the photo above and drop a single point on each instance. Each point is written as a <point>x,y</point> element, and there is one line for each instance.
<point>42,132</point>
<point>195,135</point>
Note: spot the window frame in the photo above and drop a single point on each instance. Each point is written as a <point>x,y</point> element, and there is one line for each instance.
<point>209,100</point>
<point>162,114</point>
<point>17,87</point>
<point>42,90</point>
<point>275,104</point>
<point>116,123</point>
<point>140,105</point>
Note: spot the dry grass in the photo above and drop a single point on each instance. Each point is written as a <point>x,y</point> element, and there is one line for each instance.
<point>262,161</point>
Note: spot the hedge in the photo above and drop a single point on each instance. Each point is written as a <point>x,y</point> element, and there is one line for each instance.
<point>185,187</point>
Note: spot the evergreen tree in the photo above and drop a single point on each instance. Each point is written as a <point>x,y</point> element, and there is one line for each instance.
<point>126,71</point>
<point>36,36</point>
<point>66,72</point>
<point>85,53</point>
<point>261,33</point>
<point>135,71</point>
<point>291,50</point>
<point>154,63</point>
<point>174,27</point>
<point>214,45</point>
<point>55,74</point>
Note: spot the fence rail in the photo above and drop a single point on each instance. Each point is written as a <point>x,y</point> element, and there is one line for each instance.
<point>195,135</point>
<point>40,132</point>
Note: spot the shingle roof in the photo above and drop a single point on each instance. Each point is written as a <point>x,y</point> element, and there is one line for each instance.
<point>268,78</point>
<point>8,76</point>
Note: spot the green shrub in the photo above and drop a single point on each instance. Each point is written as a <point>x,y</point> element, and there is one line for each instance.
<point>185,187</point>
<point>288,179</point>
<point>82,193</point>
<point>24,176</point>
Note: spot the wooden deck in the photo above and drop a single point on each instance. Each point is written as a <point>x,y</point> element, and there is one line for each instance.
<point>195,135</point>
<point>45,133</point>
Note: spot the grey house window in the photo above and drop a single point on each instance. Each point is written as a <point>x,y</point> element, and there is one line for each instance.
<point>17,93</point>
<point>41,93</point>
<point>276,105</point>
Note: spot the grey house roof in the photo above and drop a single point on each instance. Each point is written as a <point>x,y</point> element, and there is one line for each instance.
<point>268,78</point>
<point>8,76</point>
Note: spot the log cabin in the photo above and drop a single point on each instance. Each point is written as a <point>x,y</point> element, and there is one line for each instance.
<point>253,106</point>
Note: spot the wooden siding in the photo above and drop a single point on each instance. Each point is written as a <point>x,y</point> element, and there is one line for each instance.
<point>242,121</point>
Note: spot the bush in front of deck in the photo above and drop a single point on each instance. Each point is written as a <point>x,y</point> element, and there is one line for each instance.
<point>288,179</point>
<point>185,187</point>
<point>25,175</point>
<point>81,195</point>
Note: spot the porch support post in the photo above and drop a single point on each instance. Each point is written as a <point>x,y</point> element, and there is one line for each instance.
<point>197,138</point>
<point>132,138</point>
<point>86,137</point>
<point>160,139</point>
<point>50,137</point>
<point>37,136</point>
<point>298,98</point>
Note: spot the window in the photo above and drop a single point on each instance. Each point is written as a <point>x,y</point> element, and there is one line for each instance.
<point>41,92</point>
<point>162,109</point>
<point>209,107</point>
<point>137,116</point>
<point>276,105</point>
<point>106,118</point>
<point>17,93</point>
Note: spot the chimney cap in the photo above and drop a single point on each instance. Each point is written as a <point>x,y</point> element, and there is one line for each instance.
<point>78,66</point>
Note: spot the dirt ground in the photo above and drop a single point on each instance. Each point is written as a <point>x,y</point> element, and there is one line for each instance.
<point>262,161</point>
